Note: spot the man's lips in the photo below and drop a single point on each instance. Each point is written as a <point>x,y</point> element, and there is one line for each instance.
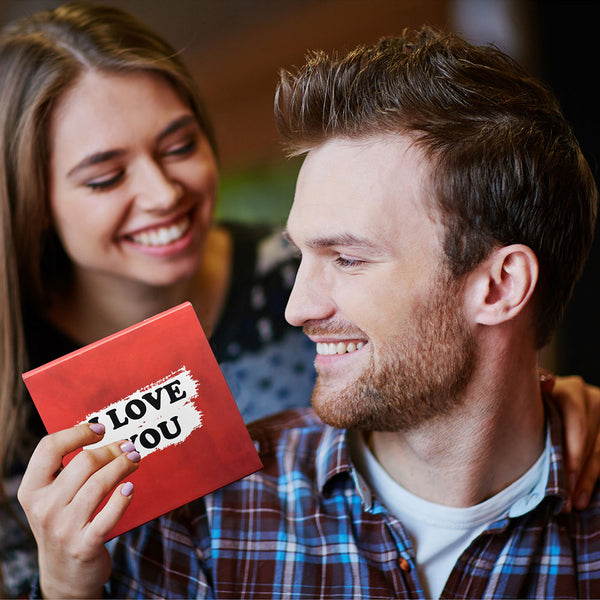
<point>335,337</point>
<point>339,347</point>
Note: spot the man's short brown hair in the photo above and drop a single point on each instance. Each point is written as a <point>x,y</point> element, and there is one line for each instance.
<point>507,167</point>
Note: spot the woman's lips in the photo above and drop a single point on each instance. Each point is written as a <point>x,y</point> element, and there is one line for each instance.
<point>163,235</point>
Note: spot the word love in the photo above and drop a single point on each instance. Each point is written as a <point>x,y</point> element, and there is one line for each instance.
<point>155,417</point>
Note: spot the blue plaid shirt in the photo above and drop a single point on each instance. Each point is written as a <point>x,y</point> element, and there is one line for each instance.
<point>307,527</point>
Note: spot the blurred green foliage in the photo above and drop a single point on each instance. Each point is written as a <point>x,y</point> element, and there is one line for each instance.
<point>258,195</point>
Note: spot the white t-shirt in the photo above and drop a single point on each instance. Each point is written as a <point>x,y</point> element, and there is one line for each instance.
<point>440,534</point>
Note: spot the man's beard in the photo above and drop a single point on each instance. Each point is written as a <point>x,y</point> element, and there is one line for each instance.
<point>421,374</point>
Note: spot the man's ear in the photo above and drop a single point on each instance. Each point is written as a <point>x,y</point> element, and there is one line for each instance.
<point>500,287</point>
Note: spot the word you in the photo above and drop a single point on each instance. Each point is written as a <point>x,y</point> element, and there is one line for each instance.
<point>155,417</point>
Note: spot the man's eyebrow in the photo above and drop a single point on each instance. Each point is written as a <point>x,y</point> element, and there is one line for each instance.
<point>100,157</point>
<point>341,239</point>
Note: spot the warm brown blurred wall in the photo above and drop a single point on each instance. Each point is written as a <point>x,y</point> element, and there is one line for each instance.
<point>235,48</point>
<point>238,69</point>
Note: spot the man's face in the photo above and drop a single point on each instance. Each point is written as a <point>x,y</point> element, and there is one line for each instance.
<point>393,349</point>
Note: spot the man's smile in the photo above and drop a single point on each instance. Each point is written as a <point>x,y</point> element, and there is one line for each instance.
<point>339,347</point>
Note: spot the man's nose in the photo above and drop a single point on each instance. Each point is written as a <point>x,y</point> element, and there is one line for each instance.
<point>309,299</point>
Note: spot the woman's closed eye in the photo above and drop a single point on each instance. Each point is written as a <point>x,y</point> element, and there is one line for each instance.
<point>183,149</point>
<point>105,181</point>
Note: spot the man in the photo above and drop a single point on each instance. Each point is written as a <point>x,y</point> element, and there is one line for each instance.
<point>443,212</point>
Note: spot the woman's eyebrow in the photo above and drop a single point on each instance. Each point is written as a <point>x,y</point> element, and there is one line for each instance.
<point>177,124</point>
<point>102,156</point>
<point>94,159</point>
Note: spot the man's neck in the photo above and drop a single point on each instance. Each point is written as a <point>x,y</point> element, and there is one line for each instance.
<point>462,459</point>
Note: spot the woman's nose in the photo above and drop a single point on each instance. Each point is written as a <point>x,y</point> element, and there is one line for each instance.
<point>156,190</point>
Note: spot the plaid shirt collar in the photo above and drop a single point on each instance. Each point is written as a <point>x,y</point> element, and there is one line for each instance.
<point>333,460</point>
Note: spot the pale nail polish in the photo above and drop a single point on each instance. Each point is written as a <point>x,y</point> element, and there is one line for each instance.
<point>97,428</point>
<point>127,447</point>
<point>133,456</point>
<point>127,488</point>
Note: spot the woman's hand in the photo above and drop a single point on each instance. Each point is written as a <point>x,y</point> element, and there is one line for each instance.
<point>580,406</point>
<point>60,503</point>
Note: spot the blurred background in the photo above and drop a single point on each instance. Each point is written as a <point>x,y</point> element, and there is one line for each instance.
<point>236,47</point>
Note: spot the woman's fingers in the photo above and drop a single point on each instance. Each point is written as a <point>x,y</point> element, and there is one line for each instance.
<point>60,507</point>
<point>570,394</point>
<point>588,478</point>
<point>110,514</point>
<point>86,471</point>
<point>47,458</point>
<point>63,509</point>
<point>115,464</point>
<point>580,406</point>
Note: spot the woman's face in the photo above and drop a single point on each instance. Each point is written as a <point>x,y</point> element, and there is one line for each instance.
<point>132,180</point>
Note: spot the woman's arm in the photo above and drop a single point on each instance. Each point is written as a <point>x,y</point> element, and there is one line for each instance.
<point>60,505</point>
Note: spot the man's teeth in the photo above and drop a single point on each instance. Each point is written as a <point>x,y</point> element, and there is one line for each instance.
<point>162,235</point>
<point>329,348</point>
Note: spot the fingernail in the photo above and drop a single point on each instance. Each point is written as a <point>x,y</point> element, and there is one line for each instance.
<point>127,447</point>
<point>97,428</point>
<point>133,456</point>
<point>127,488</point>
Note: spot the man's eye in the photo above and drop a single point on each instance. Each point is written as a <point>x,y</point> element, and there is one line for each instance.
<point>103,183</point>
<point>347,263</point>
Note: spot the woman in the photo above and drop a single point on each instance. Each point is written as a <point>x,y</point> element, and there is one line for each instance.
<point>107,189</point>
<point>108,184</point>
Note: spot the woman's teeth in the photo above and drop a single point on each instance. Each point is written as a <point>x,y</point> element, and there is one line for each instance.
<point>163,235</point>
<point>329,348</point>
